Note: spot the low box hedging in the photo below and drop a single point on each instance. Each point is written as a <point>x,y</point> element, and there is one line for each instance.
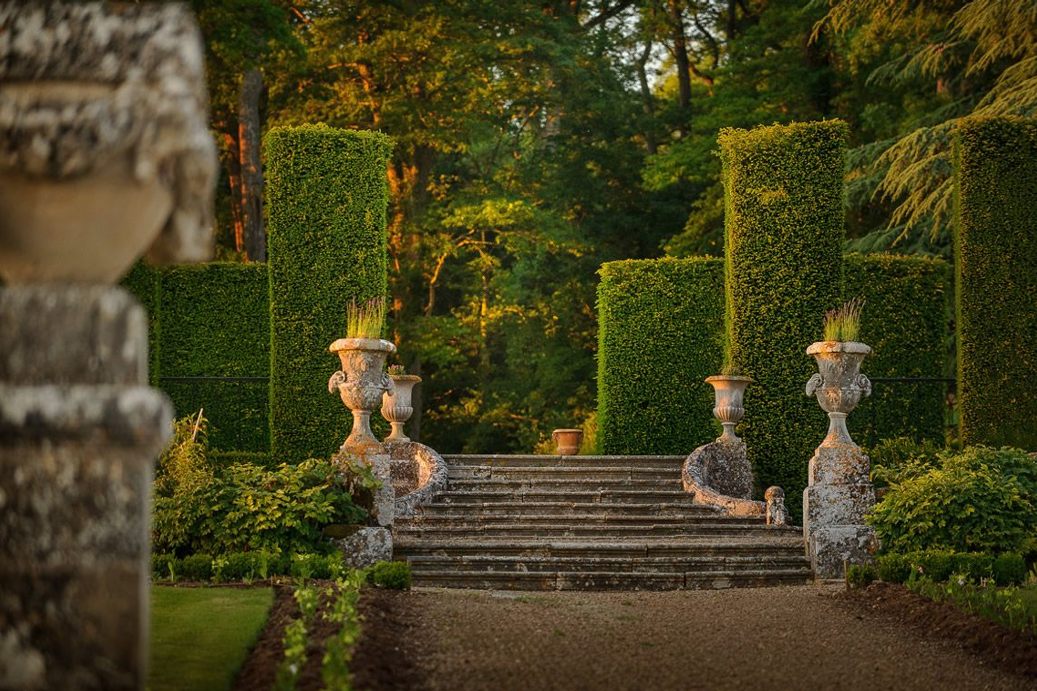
<point>995,165</point>
<point>906,322</point>
<point>783,246</point>
<point>659,335</point>
<point>327,199</point>
<point>246,566</point>
<point>1005,569</point>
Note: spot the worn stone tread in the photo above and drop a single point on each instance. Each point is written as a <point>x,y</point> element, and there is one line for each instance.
<point>618,580</point>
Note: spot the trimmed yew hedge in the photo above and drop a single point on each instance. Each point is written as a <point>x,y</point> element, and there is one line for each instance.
<point>906,322</point>
<point>327,198</point>
<point>659,335</point>
<point>783,237</point>
<point>995,166</point>
<point>211,320</point>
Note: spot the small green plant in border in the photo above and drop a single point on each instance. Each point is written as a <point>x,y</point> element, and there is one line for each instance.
<point>395,575</point>
<point>844,323</point>
<point>365,320</point>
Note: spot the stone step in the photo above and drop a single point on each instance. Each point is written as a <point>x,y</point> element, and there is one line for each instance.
<point>489,472</point>
<point>587,519</point>
<point>624,496</point>
<point>565,580</point>
<point>527,508</point>
<point>773,547</point>
<point>480,562</point>
<point>528,461</point>
<point>547,532</point>
<point>565,485</point>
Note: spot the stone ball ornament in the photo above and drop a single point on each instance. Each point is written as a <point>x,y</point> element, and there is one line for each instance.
<point>105,149</point>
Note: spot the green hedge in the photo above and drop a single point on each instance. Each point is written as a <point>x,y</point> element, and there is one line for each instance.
<point>659,335</point>
<point>995,164</point>
<point>906,322</point>
<point>327,198</point>
<point>783,238</point>
<point>211,320</point>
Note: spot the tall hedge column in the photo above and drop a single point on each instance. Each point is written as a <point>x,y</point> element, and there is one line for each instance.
<point>784,231</point>
<point>327,197</point>
<point>995,165</point>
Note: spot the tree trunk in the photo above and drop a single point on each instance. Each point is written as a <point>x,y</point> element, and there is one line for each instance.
<point>680,54</point>
<point>647,103</point>
<point>251,166</point>
<point>232,162</point>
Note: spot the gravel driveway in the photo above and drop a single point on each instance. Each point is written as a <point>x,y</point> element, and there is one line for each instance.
<point>762,638</point>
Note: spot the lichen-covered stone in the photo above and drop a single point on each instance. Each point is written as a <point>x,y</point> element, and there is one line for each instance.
<point>418,473</point>
<point>366,547</point>
<point>777,514</point>
<point>718,474</point>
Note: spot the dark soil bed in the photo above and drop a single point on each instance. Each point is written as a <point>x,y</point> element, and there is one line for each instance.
<point>1013,651</point>
<point>261,666</point>
<point>386,654</point>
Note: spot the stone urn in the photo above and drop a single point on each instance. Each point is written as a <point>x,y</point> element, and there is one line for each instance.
<point>567,441</point>
<point>838,384</point>
<point>104,148</point>
<point>728,391</point>
<point>361,383</point>
<point>396,405</point>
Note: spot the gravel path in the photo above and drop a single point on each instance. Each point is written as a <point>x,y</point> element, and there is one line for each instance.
<point>767,638</point>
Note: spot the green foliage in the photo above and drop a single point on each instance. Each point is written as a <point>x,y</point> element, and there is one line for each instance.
<point>659,325</point>
<point>996,273</point>
<point>365,320</point>
<point>211,320</point>
<point>326,203</point>
<point>936,565</point>
<point>395,575</point>
<point>241,507</point>
<point>860,575</point>
<point>979,499</point>
<point>1013,607</point>
<point>907,326</point>
<point>1009,569</point>
<point>196,567</point>
<point>844,323</point>
<point>338,648</point>
<point>784,230</point>
<point>898,459</point>
<point>893,567</point>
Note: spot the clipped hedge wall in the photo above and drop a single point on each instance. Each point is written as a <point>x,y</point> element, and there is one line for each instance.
<point>659,335</point>
<point>215,322</point>
<point>995,165</point>
<point>327,199</point>
<point>211,320</point>
<point>906,322</point>
<point>783,236</point>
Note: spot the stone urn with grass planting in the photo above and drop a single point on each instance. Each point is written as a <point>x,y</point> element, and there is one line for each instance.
<point>396,402</point>
<point>840,492</point>
<point>362,381</point>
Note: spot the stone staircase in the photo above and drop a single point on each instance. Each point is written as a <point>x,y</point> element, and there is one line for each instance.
<point>587,523</point>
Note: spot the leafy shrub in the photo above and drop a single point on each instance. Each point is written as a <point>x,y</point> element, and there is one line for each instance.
<point>893,568</point>
<point>979,499</point>
<point>1009,569</point>
<point>242,507</point>
<point>395,575</point>
<point>326,200</point>
<point>1012,607</point>
<point>995,258</point>
<point>900,458</point>
<point>197,567</point>
<point>164,567</point>
<point>860,575</point>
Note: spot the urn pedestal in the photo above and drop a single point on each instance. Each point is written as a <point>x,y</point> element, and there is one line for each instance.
<point>839,492</point>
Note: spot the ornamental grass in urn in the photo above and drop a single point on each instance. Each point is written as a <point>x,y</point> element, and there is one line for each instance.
<point>839,384</point>
<point>362,381</point>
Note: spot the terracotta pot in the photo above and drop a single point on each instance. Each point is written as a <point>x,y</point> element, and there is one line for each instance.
<point>361,383</point>
<point>396,405</point>
<point>567,441</point>
<point>839,384</point>
<point>728,390</point>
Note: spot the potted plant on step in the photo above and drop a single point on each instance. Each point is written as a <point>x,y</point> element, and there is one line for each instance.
<point>396,403</point>
<point>362,381</point>
<point>839,384</point>
<point>728,391</point>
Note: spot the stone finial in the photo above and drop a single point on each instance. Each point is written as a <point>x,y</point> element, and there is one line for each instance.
<point>88,86</point>
<point>777,514</point>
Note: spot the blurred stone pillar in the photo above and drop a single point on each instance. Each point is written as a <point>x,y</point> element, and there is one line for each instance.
<point>105,154</point>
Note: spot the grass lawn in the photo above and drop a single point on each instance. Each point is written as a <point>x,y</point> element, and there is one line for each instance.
<point>201,636</point>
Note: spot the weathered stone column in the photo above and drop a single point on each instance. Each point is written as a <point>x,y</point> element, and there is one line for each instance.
<point>104,154</point>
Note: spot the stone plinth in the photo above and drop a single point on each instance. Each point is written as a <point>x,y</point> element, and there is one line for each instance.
<point>838,496</point>
<point>79,431</point>
<point>380,503</point>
